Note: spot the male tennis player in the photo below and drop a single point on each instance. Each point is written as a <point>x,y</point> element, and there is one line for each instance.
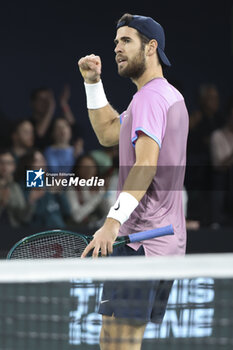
<point>152,136</point>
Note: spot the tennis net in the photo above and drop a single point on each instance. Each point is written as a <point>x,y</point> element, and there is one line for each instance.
<point>53,304</point>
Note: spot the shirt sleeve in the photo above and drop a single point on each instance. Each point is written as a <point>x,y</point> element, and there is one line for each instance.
<point>149,117</point>
<point>121,117</point>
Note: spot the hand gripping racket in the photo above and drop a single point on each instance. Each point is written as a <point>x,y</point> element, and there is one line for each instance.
<point>67,244</point>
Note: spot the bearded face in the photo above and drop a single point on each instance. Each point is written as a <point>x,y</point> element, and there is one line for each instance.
<point>133,67</point>
<point>130,53</point>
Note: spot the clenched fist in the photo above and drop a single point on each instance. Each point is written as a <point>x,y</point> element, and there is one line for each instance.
<point>90,68</point>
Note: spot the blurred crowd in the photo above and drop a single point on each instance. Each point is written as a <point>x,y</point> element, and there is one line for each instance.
<point>209,173</point>
<point>55,143</point>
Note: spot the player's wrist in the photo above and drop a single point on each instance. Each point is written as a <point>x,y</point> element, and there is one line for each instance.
<point>92,81</point>
<point>95,95</point>
<point>123,208</point>
<point>113,223</point>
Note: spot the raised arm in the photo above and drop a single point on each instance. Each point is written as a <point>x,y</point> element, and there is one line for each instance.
<point>43,123</point>
<point>104,119</point>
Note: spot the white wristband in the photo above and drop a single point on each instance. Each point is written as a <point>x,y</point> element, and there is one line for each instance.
<point>95,94</point>
<point>123,208</point>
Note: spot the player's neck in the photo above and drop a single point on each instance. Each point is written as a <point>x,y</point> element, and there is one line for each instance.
<point>149,75</point>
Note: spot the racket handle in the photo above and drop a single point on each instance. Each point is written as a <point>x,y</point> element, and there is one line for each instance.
<point>157,232</point>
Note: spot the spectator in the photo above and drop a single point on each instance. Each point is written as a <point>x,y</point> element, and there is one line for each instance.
<point>22,138</point>
<point>43,108</point>
<point>190,224</point>
<point>208,107</point>
<point>50,208</point>
<point>221,146</point>
<point>65,107</point>
<point>203,122</point>
<point>108,165</point>
<point>67,113</point>
<point>5,130</point>
<point>13,206</point>
<point>88,204</point>
<point>103,160</point>
<point>61,155</point>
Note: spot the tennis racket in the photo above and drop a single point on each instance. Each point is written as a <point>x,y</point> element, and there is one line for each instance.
<point>67,244</point>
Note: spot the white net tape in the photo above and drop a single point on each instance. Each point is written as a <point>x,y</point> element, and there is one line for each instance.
<point>130,268</point>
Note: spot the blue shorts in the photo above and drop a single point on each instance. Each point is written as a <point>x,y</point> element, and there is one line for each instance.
<point>141,301</point>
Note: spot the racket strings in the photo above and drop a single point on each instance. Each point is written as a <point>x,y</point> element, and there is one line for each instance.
<point>52,246</point>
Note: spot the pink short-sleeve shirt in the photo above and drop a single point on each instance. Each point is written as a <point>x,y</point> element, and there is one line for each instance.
<point>157,110</point>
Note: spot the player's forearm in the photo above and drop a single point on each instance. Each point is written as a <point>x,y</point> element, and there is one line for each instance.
<point>139,179</point>
<point>106,125</point>
<point>142,173</point>
<point>103,117</point>
<point>135,187</point>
